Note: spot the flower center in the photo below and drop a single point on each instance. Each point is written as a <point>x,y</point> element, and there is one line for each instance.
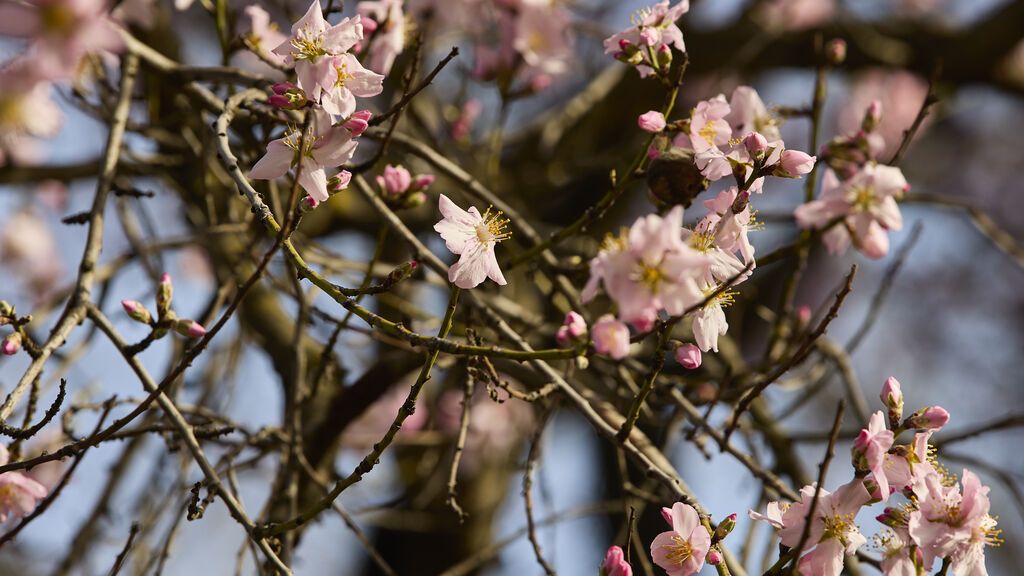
<point>343,75</point>
<point>725,298</point>
<point>307,45</point>
<point>294,139</point>
<point>493,228</point>
<point>650,276</point>
<point>708,132</point>
<point>837,527</point>
<point>863,198</point>
<point>679,550</point>
<point>57,19</point>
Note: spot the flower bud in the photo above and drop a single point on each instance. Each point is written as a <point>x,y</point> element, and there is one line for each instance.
<point>414,199</point>
<point>893,518</point>
<point>615,563</point>
<point>422,182</point>
<point>664,57</point>
<point>400,272</point>
<point>164,294</point>
<point>875,491</point>
<point>666,513</point>
<point>803,315</point>
<point>714,557</point>
<point>872,116</point>
<point>358,122</point>
<point>835,51</point>
<point>6,310</point>
<point>793,164</point>
<point>724,528</point>
<point>11,344</point>
<point>755,143</point>
<point>308,204</point>
<point>892,397</point>
<point>394,182</point>
<point>652,121</point>
<point>611,337</point>
<point>189,328</point>
<point>582,362</point>
<point>287,96</point>
<point>136,311</point>
<point>930,418</point>
<point>572,328</point>
<point>339,181</point>
<point>688,356</point>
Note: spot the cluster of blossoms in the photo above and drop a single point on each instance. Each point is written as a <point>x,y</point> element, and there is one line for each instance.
<point>647,45</point>
<point>858,195</point>
<point>165,319</point>
<point>60,34</point>
<point>522,45</point>
<point>941,518</point>
<point>401,189</point>
<point>329,79</point>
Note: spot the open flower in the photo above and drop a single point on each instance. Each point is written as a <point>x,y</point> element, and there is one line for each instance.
<point>654,33</point>
<point>19,494</point>
<point>866,205</point>
<point>611,337</point>
<point>348,79</point>
<point>326,146</point>
<point>63,30</point>
<point>832,528</point>
<point>681,550</point>
<point>947,519</point>
<point>312,43</point>
<point>870,448</point>
<point>388,36</point>
<point>472,236</point>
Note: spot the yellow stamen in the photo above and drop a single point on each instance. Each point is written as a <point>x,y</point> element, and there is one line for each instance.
<point>679,551</point>
<point>708,132</point>
<point>493,228</point>
<point>307,46</point>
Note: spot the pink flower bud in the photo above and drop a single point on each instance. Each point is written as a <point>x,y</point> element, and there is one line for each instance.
<point>652,121</point>
<point>611,337</point>
<point>189,328</point>
<point>755,143</point>
<point>136,311</point>
<point>414,199</point>
<point>422,181</point>
<point>714,557</point>
<point>803,314</point>
<point>279,101</point>
<point>164,295</point>
<point>308,204</point>
<point>931,418</point>
<point>395,181</point>
<point>725,527</point>
<point>339,181</point>
<point>11,344</point>
<point>835,51</point>
<point>615,563</point>
<point>287,96</point>
<point>664,56</point>
<point>573,327</point>
<point>794,163</point>
<point>689,356</point>
<point>358,122</point>
<point>283,87</point>
<point>892,397</point>
<point>872,116</point>
<point>369,25</point>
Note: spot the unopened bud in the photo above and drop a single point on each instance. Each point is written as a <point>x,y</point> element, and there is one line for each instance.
<point>164,295</point>
<point>688,356</point>
<point>422,182</point>
<point>872,116</point>
<point>835,51</point>
<point>6,310</point>
<point>793,164</point>
<point>308,204</point>
<point>755,143</point>
<point>875,491</point>
<point>652,121</point>
<point>11,344</point>
<point>803,315</point>
<point>287,96</point>
<point>358,122</point>
<point>664,57</point>
<point>339,181</point>
<point>136,311</point>
<point>414,199</point>
<point>401,272</point>
<point>189,328</point>
<point>893,518</point>
<point>714,557</point>
<point>930,418</point>
<point>582,362</point>
<point>724,528</point>
<point>892,397</point>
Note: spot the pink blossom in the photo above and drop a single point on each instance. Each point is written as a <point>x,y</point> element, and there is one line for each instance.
<point>358,122</point>
<point>28,247</point>
<point>615,563</point>
<point>709,323</point>
<point>347,80</point>
<point>261,37</point>
<point>62,31</point>
<point>472,236</point>
<point>708,127</point>
<point>312,44</point>
<point>19,494</point>
<point>794,164</point>
<point>388,39</point>
<point>542,38</point>
<point>688,356</point>
<point>946,518</point>
<point>136,311</point>
<point>189,328</point>
<point>832,527</point>
<point>28,112</point>
<point>714,557</point>
<point>327,146</point>
<point>11,344</point>
<point>892,397</point>
<point>611,337</point>
<point>870,448</point>
<point>681,550</point>
<point>773,514</point>
<point>652,121</point>
<point>648,269</point>
<point>572,328</point>
<point>654,31</point>
<point>908,464</point>
<point>896,558</point>
<point>866,205</point>
<point>898,92</point>
<point>748,114</point>
<point>395,181</point>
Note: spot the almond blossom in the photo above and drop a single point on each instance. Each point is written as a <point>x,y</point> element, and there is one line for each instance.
<point>261,38</point>
<point>312,43</point>
<point>472,237</point>
<point>681,550</point>
<point>571,329</point>
<point>347,80</point>
<point>388,33</point>
<point>870,448</point>
<point>865,206</point>
<point>653,33</point>
<point>946,519</point>
<point>28,112</point>
<point>611,337</point>
<point>19,494</point>
<point>833,531</point>
<point>326,146</point>
<point>615,563</point>
<point>62,31</point>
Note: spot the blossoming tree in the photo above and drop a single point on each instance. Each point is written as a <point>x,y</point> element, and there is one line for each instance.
<point>431,255</point>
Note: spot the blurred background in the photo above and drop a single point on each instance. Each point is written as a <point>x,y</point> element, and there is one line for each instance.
<point>950,325</point>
